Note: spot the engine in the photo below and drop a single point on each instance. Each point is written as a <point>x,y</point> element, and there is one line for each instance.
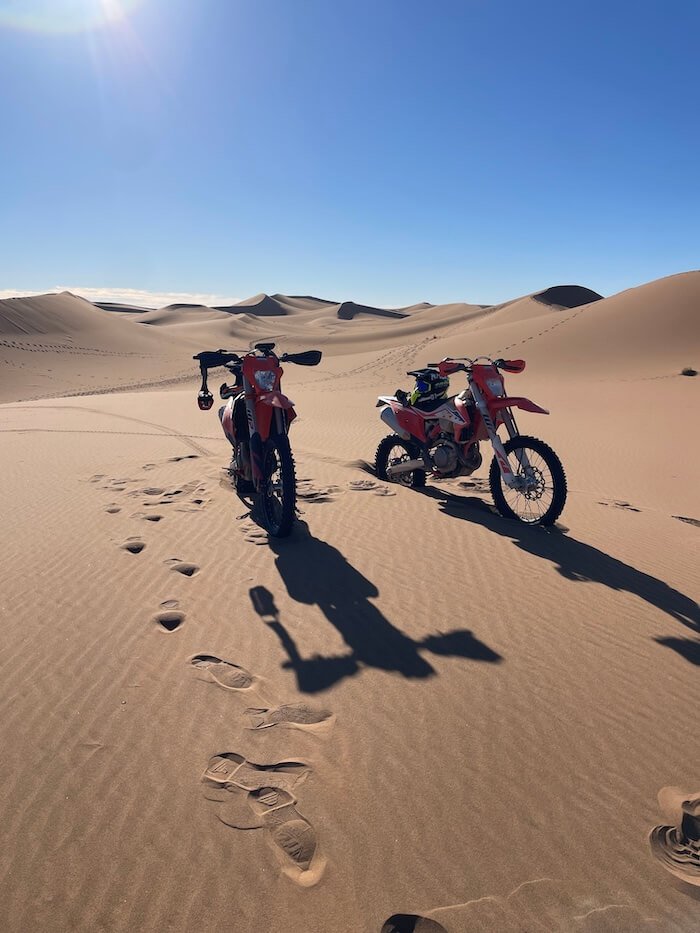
<point>448,460</point>
<point>445,456</point>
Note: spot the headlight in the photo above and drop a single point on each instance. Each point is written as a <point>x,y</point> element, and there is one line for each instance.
<point>265,378</point>
<point>495,385</point>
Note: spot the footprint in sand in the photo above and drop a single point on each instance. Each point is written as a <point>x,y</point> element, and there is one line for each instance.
<point>148,517</point>
<point>117,485</point>
<point>184,457</point>
<point>193,505</point>
<point>481,485</point>
<point>308,492</point>
<point>148,491</point>
<point>292,834</point>
<point>291,715</point>
<point>620,504</point>
<point>688,521</point>
<point>133,545</point>
<point>176,496</point>
<point>112,509</point>
<point>273,809</point>
<point>185,490</point>
<point>233,771</point>
<point>252,533</point>
<point>368,485</point>
<point>170,620</point>
<point>181,566</point>
<point>225,673</point>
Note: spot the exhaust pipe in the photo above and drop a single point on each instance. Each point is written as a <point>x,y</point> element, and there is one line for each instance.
<point>405,466</point>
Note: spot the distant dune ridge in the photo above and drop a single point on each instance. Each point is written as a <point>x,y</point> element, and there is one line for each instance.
<point>652,330</point>
<point>348,310</point>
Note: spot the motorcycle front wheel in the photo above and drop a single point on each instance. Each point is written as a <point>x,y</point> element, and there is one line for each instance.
<point>542,499</point>
<point>277,498</point>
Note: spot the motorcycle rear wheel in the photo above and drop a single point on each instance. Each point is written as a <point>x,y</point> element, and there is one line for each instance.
<point>392,450</point>
<point>544,502</point>
<point>277,499</point>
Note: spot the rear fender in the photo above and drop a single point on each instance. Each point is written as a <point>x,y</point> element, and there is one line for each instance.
<point>513,401</point>
<point>389,418</point>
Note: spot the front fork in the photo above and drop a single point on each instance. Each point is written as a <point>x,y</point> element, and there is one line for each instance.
<point>511,480</point>
<point>256,447</point>
<point>256,444</point>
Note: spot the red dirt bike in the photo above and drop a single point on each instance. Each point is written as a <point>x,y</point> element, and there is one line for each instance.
<point>256,420</point>
<point>441,438</point>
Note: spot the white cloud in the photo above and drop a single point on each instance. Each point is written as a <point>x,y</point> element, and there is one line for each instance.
<point>129,296</point>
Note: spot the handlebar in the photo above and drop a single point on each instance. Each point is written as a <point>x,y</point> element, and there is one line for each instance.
<point>510,366</point>
<point>232,360</point>
<point>210,359</point>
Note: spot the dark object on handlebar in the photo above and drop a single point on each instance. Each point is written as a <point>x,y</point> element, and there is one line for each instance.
<point>205,400</point>
<point>307,358</point>
<point>208,359</point>
<point>510,366</point>
<point>211,359</point>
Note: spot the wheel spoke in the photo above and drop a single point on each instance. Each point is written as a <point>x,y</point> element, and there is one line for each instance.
<point>532,502</point>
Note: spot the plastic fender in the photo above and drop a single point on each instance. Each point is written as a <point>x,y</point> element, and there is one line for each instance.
<point>389,418</point>
<point>226,415</point>
<point>412,421</point>
<point>276,399</point>
<point>496,404</point>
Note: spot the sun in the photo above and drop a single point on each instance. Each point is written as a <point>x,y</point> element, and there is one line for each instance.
<point>62,16</point>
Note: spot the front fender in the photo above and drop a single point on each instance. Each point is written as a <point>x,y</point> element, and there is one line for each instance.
<point>514,401</point>
<point>275,399</point>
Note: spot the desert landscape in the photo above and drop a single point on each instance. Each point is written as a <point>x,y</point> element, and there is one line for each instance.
<point>411,714</point>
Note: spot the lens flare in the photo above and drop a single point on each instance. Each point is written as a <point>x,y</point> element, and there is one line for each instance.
<point>63,16</point>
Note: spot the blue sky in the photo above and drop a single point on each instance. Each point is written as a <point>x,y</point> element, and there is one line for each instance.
<point>383,151</point>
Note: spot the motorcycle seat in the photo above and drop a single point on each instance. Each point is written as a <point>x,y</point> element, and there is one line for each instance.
<point>430,406</point>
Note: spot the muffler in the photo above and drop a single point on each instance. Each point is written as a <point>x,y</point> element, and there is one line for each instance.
<point>406,466</point>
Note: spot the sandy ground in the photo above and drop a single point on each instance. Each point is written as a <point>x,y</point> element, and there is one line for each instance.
<point>460,718</point>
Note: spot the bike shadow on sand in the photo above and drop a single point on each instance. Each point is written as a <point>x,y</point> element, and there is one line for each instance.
<point>316,573</point>
<point>573,559</point>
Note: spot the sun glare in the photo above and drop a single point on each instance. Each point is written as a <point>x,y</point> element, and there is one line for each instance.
<point>62,16</point>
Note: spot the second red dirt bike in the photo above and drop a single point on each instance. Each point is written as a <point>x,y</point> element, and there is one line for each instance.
<point>256,420</point>
<point>439,436</point>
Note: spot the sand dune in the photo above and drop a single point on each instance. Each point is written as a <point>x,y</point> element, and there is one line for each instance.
<point>260,305</point>
<point>121,308</point>
<point>348,310</point>
<point>410,715</point>
<point>566,296</point>
<point>57,344</point>
<point>648,331</point>
<point>64,314</point>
